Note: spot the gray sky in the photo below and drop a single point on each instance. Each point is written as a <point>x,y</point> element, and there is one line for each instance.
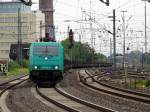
<point>71,10</point>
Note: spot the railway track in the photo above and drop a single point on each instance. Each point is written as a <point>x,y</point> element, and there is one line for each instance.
<point>68,102</point>
<point>129,94</point>
<point>10,84</point>
<point>6,82</point>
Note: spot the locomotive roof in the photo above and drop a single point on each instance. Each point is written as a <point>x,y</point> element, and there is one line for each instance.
<point>46,44</point>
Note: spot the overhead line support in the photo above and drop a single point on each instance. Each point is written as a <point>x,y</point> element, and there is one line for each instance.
<point>107,2</point>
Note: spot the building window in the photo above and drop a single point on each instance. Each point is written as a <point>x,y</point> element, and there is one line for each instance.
<point>7,6</point>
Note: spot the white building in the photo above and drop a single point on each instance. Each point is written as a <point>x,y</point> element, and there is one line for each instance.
<point>30,28</point>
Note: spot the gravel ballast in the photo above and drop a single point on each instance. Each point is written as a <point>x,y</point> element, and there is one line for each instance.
<point>21,99</point>
<point>72,85</point>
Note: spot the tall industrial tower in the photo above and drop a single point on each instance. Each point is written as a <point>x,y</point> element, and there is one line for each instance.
<point>46,6</point>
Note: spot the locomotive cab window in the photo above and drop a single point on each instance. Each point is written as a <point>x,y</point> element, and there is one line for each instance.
<point>45,50</point>
<point>14,51</point>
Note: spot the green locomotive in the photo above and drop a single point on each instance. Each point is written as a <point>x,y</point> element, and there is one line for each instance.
<point>46,61</point>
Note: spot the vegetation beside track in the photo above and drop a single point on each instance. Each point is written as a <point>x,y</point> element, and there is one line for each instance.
<point>15,69</point>
<point>141,84</point>
<point>82,52</point>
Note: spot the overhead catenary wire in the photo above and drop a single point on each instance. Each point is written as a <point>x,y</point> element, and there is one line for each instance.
<point>103,16</point>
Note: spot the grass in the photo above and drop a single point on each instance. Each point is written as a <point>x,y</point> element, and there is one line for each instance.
<point>15,69</point>
<point>14,72</point>
<point>18,71</point>
<point>141,84</point>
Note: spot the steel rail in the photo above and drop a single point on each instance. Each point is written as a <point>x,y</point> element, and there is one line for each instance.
<point>55,102</point>
<point>92,105</point>
<point>6,82</point>
<point>12,85</point>
<point>144,100</point>
<point>83,102</point>
<point>123,90</point>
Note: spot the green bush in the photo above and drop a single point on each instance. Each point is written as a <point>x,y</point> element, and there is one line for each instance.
<point>25,63</point>
<point>12,65</point>
<point>147,83</point>
<point>81,52</point>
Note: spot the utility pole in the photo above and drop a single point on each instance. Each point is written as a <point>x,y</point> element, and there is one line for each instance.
<point>41,31</point>
<point>124,34</point>
<point>91,29</point>
<point>145,34</point>
<point>110,50</point>
<point>19,38</point>
<point>99,43</point>
<point>68,29</point>
<point>91,24</point>
<point>142,58</point>
<point>145,30</point>
<point>114,38</point>
<point>18,49</point>
<point>79,37</point>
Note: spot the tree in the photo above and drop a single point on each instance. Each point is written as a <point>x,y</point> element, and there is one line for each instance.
<point>81,52</point>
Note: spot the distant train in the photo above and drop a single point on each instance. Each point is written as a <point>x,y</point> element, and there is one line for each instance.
<point>46,61</point>
<point>14,48</point>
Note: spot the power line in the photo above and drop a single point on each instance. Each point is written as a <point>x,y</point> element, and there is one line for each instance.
<point>124,4</point>
<point>128,7</point>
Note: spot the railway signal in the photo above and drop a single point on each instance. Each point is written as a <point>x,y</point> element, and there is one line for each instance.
<point>71,36</point>
<point>128,48</point>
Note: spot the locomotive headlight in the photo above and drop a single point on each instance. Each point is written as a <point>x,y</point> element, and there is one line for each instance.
<point>35,67</point>
<point>46,58</point>
<point>56,67</point>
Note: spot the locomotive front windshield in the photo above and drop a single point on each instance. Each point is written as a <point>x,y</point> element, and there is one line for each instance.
<point>45,50</point>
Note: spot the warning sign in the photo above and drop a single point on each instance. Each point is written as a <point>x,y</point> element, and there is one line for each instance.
<point>3,66</point>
